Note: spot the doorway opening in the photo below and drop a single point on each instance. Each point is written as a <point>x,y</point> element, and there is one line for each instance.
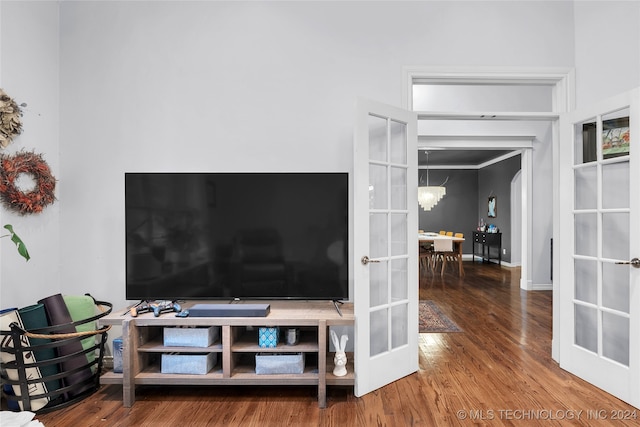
<point>497,109</point>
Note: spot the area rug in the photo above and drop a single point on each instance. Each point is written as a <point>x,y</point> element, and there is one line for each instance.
<point>431,319</point>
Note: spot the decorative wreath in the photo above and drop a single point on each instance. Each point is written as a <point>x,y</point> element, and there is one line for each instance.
<point>33,165</point>
<point>10,122</point>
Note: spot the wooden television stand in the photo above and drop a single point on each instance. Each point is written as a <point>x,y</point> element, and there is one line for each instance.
<point>142,338</point>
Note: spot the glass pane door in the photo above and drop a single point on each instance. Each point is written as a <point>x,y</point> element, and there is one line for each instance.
<point>388,217</point>
<point>385,212</point>
<point>599,213</point>
<point>602,228</point>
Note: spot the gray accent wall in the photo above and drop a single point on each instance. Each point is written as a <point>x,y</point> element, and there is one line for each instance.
<point>458,209</point>
<point>466,200</point>
<point>495,180</point>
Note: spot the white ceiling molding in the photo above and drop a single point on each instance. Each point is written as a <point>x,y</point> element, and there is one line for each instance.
<point>442,115</point>
<point>475,142</point>
<point>501,158</point>
<point>472,167</point>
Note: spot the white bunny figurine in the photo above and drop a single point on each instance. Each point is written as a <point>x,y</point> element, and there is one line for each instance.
<point>340,359</point>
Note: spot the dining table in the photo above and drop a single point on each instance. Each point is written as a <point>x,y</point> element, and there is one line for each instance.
<point>429,237</point>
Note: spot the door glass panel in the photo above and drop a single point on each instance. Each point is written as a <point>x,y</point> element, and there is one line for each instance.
<point>615,183</point>
<point>615,134</point>
<point>586,273</point>
<point>398,133</point>
<point>398,234</point>
<point>399,278</point>
<point>377,138</point>
<point>378,293</point>
<point>398,188</point>
<point>379,342</point>
<point>586,187</point>
<point>586,234</point>
<point>377,187</point>
<point>465,96</point>
<point>615,337</point>
<point>615,235</point>
<point>615,287</point>
<point>399,325</point>
<point>377,235</point>
<point>585,143</point>
<point>586,327</point>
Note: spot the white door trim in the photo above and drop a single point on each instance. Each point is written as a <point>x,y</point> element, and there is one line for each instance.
<point>516,207</point>
<point>563,80</point>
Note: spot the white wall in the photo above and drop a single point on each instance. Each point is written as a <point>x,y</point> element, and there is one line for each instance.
<point>29,73</point>
<point>251,86</point>
<point>607,49</point>
<point>235,86</point>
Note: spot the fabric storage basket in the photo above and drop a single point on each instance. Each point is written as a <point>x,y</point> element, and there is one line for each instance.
<point>267,364</point>
<point>192,363</point>
<point>39,372</point>
<point>191,337</point>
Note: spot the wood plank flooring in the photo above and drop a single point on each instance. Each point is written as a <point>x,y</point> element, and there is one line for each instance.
<point>497,372</point>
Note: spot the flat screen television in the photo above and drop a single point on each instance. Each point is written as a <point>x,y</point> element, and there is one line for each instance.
<point>236,236</point>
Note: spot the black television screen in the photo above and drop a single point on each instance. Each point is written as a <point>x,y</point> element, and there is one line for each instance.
<point>236,236</point>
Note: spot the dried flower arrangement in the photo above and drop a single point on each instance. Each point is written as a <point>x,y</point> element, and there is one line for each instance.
<point>33,165</point>
<point>10,119</point>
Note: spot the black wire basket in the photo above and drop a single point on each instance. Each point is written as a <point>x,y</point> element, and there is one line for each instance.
<point>62,380</point>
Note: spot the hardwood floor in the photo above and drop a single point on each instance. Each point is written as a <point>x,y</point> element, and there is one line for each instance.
<point>497,372</point>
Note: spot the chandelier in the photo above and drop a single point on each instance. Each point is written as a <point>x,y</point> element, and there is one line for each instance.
<point>430,195</point>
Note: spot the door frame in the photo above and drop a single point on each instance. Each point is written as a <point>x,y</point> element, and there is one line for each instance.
<point>563,81</point>
<point>516,195</point>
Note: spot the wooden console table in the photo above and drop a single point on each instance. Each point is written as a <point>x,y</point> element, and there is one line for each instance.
<point>236,348</point>
<point>487,240</point>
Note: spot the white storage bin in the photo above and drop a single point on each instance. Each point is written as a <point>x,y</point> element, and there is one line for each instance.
<point>188,363</point>
<point>267,364</point>
<point>191,337</point>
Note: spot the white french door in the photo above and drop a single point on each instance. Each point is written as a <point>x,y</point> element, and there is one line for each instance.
<point>385,245</point>
<point>599,237</point>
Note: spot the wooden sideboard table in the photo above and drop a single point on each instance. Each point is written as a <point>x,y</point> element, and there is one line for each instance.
<point>487,240</point>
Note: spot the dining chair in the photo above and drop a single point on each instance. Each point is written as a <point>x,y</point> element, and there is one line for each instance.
<point>450,233</point>
<point>442,249</point>
<point>443,232</point>
<point>425,258</point>
<point>453,256</point>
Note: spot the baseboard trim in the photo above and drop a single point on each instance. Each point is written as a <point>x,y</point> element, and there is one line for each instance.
<point>469,257</point>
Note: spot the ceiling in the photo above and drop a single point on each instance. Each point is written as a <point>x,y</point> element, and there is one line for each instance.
<point>458,157</point>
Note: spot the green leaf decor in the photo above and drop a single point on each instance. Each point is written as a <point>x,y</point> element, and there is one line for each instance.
<point>22,249</point>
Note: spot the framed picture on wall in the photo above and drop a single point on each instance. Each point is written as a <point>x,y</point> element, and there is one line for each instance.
<point>492,211</point>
